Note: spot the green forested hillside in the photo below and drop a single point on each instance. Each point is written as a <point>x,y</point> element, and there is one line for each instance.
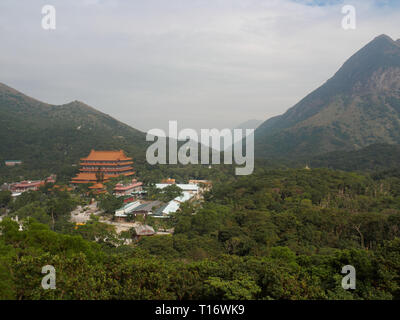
<point>50,139</point>
<point>279,234</point>
<point>376,157</point>
<point>47,137</point>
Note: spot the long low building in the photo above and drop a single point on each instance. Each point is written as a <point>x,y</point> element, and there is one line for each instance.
<point>138,207</point>
<point>23,186</point>
<point>148,208</point>
<point>186,196</point>
<point>192,188</point>
<point>29,185</point>
<point>127,209</point>
<point>171,207</point>
<point>174,205</point>
<point>128,189</point>
<point>12,163</point>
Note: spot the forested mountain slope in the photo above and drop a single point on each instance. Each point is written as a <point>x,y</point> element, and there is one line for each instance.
<point>358,106</point>
<point>43,135</point>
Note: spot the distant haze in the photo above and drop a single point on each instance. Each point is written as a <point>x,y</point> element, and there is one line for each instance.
<point>249,124</point>
<point>205,63</point>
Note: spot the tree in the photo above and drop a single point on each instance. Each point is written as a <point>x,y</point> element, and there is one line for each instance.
<point>5,198</point>
<point>166,194</point>
<point>109,203</point>
<point>238,289</point>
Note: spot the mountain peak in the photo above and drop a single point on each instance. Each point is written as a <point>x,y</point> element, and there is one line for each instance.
<point>382,42</point>
<point>380,54</point>
<point>75,103</point>
<point>383,37</point>
<point>358,106</point>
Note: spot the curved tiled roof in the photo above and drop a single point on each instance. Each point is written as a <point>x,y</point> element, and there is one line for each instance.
<point>97,186</point>
<point>106,156</point>
<point>85,176</point>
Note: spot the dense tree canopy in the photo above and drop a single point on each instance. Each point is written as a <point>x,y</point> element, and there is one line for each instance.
<point>278,234</point>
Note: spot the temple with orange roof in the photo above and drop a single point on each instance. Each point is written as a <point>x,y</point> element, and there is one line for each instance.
<point>168,181</point>
<point>98,188</point>
<point>103,164</point>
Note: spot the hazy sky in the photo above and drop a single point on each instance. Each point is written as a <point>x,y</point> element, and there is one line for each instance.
<point>205,63</point>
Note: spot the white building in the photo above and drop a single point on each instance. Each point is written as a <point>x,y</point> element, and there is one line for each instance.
<point>191,188</point>
<point>174,205</point>
<point>127,209</point>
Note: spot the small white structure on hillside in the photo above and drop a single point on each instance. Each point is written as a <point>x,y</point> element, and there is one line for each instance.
<point>191,188</point>
<point>143,230</point>
<point>174,205</point>
<point>127,209</point>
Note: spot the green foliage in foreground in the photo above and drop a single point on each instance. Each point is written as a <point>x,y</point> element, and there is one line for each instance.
<point>282,234</point>
<point>85,271</point>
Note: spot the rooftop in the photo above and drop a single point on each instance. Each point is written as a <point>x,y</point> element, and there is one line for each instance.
<point>85,176</point>
<point>148,206</point>
<point>97,186</point>
<point>106,156</point>
<point>170,207</point>
<point>173,205</point>
<point>126,209</point>
<point>185,197</point>
<point>187,187</point>
<point>144,230</point>
<point>122,187</point>
<point>23,184</point>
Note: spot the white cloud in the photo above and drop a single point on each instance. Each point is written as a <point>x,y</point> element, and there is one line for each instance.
<point>205,63</point>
